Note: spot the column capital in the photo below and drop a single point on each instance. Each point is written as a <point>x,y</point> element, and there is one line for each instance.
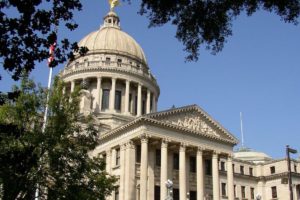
<point>99,77</point>
<point>123,146</point>
<point>230,156</point>
<point>215,154</point>
<point>130,145</point>
<point>144,138</point>
<point>182,146</point>
<point>164,143</point>
<point>200,149</point>
<point>108,153</point>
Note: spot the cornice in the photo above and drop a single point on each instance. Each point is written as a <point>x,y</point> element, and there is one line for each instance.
<point>196,108</point>
<point>143,76</point>
<point>144,120</point>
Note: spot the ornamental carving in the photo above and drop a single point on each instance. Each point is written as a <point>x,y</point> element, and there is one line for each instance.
<point>195,123</point>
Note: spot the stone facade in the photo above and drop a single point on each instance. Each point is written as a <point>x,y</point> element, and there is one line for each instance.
<point>144,148</point>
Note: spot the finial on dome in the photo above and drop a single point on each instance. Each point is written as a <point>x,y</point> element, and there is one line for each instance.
<point>113,4</point>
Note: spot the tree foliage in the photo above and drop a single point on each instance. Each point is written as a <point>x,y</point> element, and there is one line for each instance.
<point>57,159</point>
<point>28,28</point>
<point>209,22</point>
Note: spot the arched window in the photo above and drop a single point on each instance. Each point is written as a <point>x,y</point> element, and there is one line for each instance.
<point>105,99</point>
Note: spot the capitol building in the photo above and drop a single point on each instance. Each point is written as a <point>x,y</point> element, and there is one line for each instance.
<point>144,147</point>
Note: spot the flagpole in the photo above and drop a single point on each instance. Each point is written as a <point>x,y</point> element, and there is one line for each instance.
<point>48,94</point>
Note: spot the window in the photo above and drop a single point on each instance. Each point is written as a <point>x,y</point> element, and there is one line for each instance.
<point>117,157</point>
<point>119,61</point>
<point>117,194</point>
<point>143,106</point>
<point>223,189</point>
<point>234,190</point>
<point>118,99</point>
<point>176,161</point>
<point>157,157</point>
<point>295,168</point>
<point>272,170</point>
<point>242,169</point>
<point>274,192</point>
<point>193,164</point>
<point>175,194</point>
<point>193,195</point>
<point>107,60</point>
<point>252,193</point>
<point>207,167</point>
<point>138,153</point>
<point>243,191</point>
<point>105,99</point>
<point>157,192</point>
<point>222,166</point>
<point>250,171</point>
<point>233,168</point>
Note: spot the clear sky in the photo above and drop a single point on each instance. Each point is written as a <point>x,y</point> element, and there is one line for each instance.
<point>257,73</point>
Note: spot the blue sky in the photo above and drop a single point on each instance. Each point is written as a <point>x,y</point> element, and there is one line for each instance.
<point>257,73</point>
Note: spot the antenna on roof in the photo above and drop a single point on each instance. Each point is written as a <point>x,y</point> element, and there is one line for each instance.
<point>242,132</point>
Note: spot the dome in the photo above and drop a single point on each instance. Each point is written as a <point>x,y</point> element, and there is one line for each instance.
<point>251,155</point>
<point>111,39</point>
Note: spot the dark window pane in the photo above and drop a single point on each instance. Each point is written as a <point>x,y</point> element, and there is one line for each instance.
<point>223,189</point>
<point>272,169</point>
<point>274,192</point>
<point>175,194</point>
<point>157,157</point>
<point>138,153</point>
<point>242,169</point>
<point>193,195</point>
<point>192,164</point>
<point>252,193</point>
<point>208,167</point>
<point>243,191</point>
<point>117,157</point>
<point>251,171</point>
<point>118,99</point>
<point>176,161</point>
<point>222,166</point>
<point>157,192</point>
<point>105,99</point>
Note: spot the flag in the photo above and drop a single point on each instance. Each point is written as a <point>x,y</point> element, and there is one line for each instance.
<point>51,53</point>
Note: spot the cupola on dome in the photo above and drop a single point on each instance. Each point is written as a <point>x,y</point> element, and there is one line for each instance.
<point>111,39</point>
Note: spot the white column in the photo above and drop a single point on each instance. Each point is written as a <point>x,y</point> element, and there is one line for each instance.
<point>200,174</point>
<point>112,95</point>
<point>98,93</point>
<point>122,172</point>
<point>163,169</point>
<point>182,173</point>
<point>130,181</point>
<point>127,97</point>
<point>108,161</point>
<point>151,176</point>
<point>215,176</point>
<point>148,101</point>
<point>139,101</point>
<point>72,85</point>
<point>230,178</point>
<point>144,168</point>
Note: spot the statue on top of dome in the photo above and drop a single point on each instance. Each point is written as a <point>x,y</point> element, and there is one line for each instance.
<point>113,4</point>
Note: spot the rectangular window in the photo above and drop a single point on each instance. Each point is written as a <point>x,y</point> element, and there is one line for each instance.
<point>138,153</point>
<point>105,99</point>
<point>135,105</point>
<point>242,169</point>
<point>250,171</point>
<point>119,61</point>
<point>233,167</point>
<point>143,106</point>
<point>193,164</point>
<point>243,191</point>
<point>176,161</point>
<point>295,168</point>
<point>118,99</point>
<point>157,192</point>
<point>157,157</point>
<point>175,194</point>
<point>117,157</point>
<point>274,192</point>
<point>272,170</point>
<point>234,190</point>
<point>117,194</point>
<point>223,189</point>
<point>193,195</point>
<point>222,166</point>
<point>208,167</point>
<point>107,60</point>
<point>252,193</point>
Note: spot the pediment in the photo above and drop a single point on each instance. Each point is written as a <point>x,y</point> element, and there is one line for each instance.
<point>195,119</point>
